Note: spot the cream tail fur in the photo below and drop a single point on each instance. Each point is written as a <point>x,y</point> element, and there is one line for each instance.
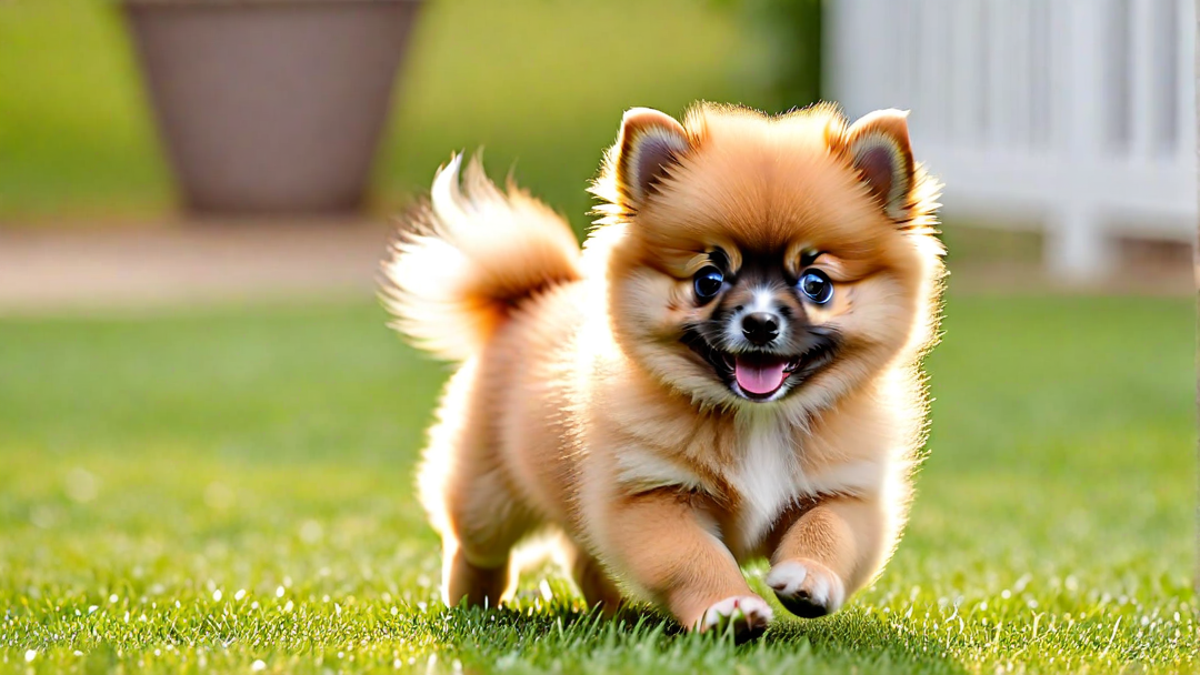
<point>467,256</point>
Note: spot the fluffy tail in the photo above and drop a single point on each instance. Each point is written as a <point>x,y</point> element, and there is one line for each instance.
<point>465,258</point>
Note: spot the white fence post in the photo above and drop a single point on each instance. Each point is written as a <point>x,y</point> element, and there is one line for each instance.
<point>1076,246</point>
<point>1075,249</point>
<point>1076,114</point>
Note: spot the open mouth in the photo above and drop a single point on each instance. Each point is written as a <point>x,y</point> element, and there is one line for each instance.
<point>760,375</point>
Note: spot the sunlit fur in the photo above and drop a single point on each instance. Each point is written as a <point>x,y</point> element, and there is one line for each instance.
<point>462,258</point>
<point>577,408</point>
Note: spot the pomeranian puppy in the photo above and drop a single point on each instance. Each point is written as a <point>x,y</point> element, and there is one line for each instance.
<point>729,370</point>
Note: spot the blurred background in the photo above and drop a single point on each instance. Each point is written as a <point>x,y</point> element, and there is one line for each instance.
<point>196,385</point>
<point>1065,131</point>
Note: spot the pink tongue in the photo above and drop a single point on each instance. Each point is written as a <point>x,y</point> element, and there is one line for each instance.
<point>759,376</point>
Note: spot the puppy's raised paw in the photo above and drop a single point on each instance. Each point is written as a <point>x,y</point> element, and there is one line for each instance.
<point>807,588</point>
<point>746,615</point>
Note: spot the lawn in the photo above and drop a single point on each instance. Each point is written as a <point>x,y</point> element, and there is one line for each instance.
<point>229,490</point>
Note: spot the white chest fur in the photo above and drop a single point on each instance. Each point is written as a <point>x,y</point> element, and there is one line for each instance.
<point>769,477</point>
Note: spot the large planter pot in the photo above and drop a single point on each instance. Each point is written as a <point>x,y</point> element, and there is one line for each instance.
<point>271,106</point>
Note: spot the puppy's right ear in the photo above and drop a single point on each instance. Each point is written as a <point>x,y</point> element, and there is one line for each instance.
<point>650,143</point>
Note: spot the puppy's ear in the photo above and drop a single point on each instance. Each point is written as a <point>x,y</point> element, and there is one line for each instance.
<point>878,147</point>
<point>650,143</point>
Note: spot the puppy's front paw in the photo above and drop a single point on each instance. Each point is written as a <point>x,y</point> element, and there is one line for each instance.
<point>807,588</point>
<point>746,615</point>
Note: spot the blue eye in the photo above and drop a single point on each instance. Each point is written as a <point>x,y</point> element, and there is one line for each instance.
<point>707,283</point>
<point>816,286</point>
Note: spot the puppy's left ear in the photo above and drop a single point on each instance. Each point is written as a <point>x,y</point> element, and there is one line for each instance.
<point>878,147</point>
<point>650,143</point>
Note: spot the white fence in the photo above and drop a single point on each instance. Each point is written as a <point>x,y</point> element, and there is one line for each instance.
<point>1078,116</point>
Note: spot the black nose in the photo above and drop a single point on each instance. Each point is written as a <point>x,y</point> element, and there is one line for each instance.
<point>760,327</point>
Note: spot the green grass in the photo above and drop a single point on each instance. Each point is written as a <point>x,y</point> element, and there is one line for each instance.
<point>201,491</point>
<point>541,84</point>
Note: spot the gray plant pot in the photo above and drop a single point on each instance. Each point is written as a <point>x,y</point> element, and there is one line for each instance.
<point>271,106</point>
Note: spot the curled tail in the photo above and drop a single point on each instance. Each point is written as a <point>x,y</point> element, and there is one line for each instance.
<point>463,259</point>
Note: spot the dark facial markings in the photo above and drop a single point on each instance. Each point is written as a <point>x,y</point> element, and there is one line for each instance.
<point>758,338</point>
<point>718,257</point>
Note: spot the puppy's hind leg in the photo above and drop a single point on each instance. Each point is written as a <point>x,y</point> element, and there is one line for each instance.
<point>467,494</point>
<point>486,522</point>
<point>465,582</point>
<point>597,586</point>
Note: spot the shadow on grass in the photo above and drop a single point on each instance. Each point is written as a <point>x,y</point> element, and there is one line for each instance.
<point>543,633</point>
<point>855,636</point>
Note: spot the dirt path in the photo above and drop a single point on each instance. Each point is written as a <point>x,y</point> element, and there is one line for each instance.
<point>72,271</point>
<point>180,264</point>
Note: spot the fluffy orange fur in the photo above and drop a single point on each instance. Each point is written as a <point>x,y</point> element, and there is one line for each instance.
<point>577,407</point>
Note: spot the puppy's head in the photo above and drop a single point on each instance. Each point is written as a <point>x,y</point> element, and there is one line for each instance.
<point>768,260</point>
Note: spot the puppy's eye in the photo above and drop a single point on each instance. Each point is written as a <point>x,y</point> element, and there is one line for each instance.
<point>707,283</point>
<point>816,286</point>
